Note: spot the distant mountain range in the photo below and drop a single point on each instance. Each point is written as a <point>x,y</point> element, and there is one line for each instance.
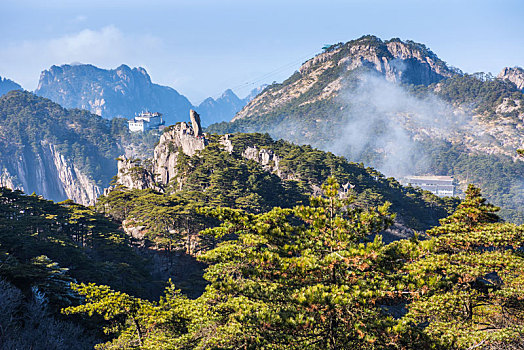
<point>125,91</point>
<point>120,92</point>
<point>7,85</point>
<point>225,107</point>
<point>394,105</point>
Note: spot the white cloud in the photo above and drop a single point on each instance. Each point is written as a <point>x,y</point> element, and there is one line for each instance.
<point>107,47</point>
<point>88,45</point>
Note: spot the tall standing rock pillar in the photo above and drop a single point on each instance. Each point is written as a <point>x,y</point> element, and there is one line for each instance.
<point>195,122</point>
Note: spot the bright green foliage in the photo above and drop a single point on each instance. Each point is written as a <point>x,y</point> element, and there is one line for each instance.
<point>418,210</point>
<point>483,91</point>
<point>309,119</point>
<point>308,277</point>
<point>137,323</point>
<point>217,178</point>
<point>298,278</point>
<point>168,221</point>
<point>468,280</point>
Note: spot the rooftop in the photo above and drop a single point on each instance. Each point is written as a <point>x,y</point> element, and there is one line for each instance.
<point>431,178</point>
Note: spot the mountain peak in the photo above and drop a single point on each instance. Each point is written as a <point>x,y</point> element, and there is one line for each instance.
<point>399,61</point>
<point>122,91</point>
<point>7,85</point>
<point>123,67</point>
<point>324,76</point>
<point>514,74</point>
<point>228,93</point>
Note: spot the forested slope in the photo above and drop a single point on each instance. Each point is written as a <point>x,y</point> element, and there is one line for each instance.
<point>395,106</point>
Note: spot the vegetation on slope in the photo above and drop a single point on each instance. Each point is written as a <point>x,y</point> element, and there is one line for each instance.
<point>416,209</point>
<point>215,177</point>
<point>47,245</point>
<point>89,141</point>
<point>319,123</point>
<point>309,277</point>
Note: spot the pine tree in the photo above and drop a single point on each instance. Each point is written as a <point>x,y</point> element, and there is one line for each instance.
<point>469,279</point>
<point>298,278</point>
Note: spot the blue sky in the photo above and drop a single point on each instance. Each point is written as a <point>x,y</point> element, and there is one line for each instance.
<point>202,47</point>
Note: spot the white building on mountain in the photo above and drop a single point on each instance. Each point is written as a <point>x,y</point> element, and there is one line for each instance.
<point>146,121</point>
<point>440,185</point>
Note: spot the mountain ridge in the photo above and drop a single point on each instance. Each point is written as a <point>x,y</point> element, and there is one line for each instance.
<point>7,85</point>
<point>120,92</point>
<point>397,107</point>
<point>125,91</point>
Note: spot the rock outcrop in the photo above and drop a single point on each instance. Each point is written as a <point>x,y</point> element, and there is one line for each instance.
<point>48,173</point>
<point>178,137</point>
<point>134,174</point>
<point>398,61</point>
<point>195,122</point>
<point>515,75</point>
<point>119,92</point>
<point>265,157</point>
<point>158,171</point>
<point>225,141</point>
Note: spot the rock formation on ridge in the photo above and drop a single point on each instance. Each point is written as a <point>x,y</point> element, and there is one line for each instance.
<point>515,75</point>
<point>119,92</point>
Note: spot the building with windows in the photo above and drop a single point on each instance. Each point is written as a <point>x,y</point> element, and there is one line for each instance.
<point>146,121</point>
<point>442,186</point>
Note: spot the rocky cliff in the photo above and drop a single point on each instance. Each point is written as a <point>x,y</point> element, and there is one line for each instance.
<point>111,93</point>
<point>134,174</point>
<point>157,172</point>
<point>369,95</point>
<point>180,137</point>
<point>324,76</point>
<point>55,152</point>
<point>7,85</point>
<point>395,106</point>
<point>45,171</point>
<point>515,75</point>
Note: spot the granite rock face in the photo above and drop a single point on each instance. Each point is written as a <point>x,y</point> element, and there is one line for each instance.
<point>265,157</point>
<point>225,141</point>
<point>515,75</point>
<point>195,122</point>
<point>133,174</point>
<point>179,137</point>
<point>158,171</point>
<point>397,61</point>
<point>46,171</point>
<point>119,92</point>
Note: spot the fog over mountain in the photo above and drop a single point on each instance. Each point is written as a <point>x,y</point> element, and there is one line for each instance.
<point>396,106</point>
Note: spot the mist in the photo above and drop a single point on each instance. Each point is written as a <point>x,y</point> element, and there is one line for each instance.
<point>383,122</point>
